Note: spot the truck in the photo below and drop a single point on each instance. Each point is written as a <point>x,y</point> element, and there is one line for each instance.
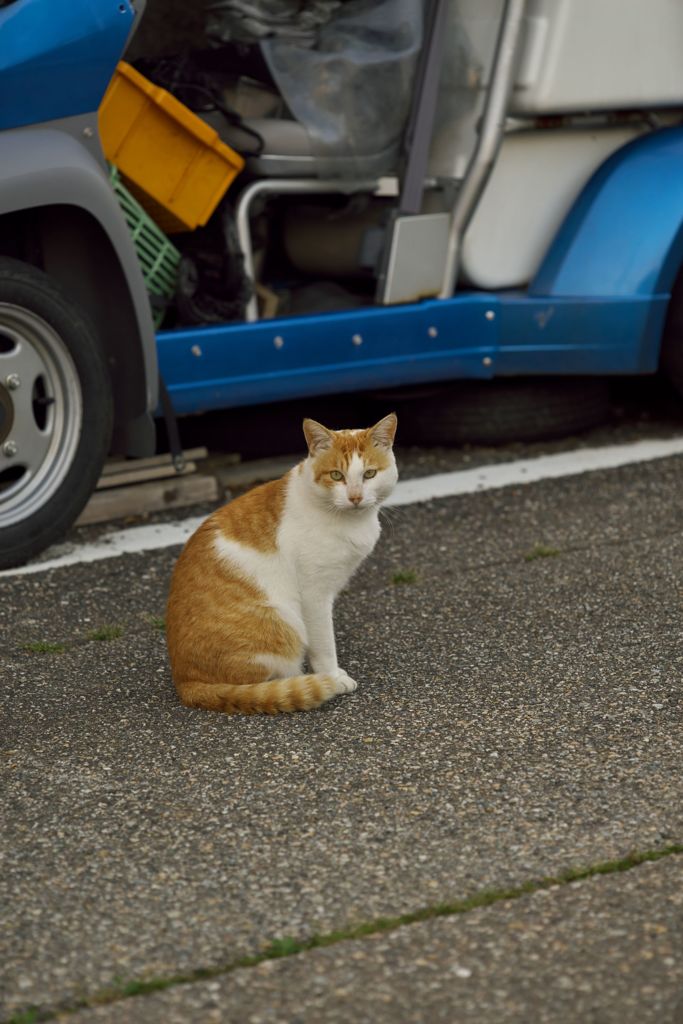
<point>525,229</point>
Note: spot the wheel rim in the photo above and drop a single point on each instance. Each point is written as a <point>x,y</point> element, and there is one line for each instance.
<point>41,413</point>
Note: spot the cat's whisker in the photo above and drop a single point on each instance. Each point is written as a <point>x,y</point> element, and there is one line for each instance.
<point>391,514</point>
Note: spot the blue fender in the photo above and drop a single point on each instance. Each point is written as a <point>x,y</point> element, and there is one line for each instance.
<point>57,59</point>
<point>623,237</point>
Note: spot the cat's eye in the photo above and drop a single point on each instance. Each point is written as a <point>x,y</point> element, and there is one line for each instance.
<point>336,475</point>
<point>369,473</point>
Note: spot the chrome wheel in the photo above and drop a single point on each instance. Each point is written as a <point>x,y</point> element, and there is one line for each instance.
<point>41,412</point>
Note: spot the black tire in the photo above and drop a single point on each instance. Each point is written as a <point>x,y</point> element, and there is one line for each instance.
<point>56,396</point>
<point>672,344</point>
<point>498,411</point>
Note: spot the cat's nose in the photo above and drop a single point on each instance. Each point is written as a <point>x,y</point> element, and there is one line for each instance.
<point>356,498</point>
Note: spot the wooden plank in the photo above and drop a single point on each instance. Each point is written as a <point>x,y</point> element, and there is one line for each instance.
<point>165,459</point>
<point>138,499</point>
<point>256,471</point>
<point>135,475</point>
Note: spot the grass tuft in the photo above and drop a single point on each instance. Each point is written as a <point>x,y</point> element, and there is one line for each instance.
<point>30,1016</point>
<point>41,647</point>
<point>106,633</point>
<point>541,551</point>
<point>286,946</point>
<point>404,576</point>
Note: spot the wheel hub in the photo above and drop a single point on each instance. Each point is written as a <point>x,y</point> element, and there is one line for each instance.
<point>6,413</point>
<point>41,411</point>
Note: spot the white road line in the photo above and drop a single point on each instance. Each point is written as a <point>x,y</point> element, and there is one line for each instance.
<point>527,471</point>
<point>111,545</point>
<point>407,492</point>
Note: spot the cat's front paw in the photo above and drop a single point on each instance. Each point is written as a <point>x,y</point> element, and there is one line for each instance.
<point>343,677</point>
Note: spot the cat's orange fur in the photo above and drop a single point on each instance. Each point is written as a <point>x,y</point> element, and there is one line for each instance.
<point>218,619</point>
<point>346,444</point>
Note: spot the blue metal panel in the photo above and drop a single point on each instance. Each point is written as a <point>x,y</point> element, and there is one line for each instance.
<point>585,336</point>
<point>56,60</point>
<point>624,234</point>
<point>597,306</point>
<point>239,364</point>
<point>471,335</point>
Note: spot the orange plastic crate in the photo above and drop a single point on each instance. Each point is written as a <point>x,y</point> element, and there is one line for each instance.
<point>174,164</point>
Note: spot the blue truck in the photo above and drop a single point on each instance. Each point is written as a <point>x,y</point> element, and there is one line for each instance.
<point>528,224</point>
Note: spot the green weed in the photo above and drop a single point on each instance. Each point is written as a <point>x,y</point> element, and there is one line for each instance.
<point>541,551</point>
<point>25,1017</point>
<point>106,633</point>
<point>404,576</point>
<point>41,647</point>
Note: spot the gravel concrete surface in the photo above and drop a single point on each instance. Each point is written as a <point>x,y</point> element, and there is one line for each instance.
<point>600,951</point>
<point>517,716</point>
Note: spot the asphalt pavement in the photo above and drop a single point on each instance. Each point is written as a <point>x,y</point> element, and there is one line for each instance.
<point>490,829</point>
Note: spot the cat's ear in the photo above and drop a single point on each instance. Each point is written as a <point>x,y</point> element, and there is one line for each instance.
<point>318,437</point>
<point>383,433</point>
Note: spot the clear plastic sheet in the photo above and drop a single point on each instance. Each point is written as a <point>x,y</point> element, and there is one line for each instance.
<point>349,82</point>
<point>463,72</point>
<point>247,21</point>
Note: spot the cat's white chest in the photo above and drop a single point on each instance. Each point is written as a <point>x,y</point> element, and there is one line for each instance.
<point>271,572</point>
<point>315,556</point>
<point>326,555</point>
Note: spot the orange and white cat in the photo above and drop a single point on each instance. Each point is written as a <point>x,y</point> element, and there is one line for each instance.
<point>253,590</point>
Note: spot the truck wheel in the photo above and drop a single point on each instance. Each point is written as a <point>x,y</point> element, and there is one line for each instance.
<point>55,411</point>
<point>493,412</point>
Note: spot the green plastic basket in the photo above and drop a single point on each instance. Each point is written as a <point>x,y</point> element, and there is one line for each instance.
<point>159,259</point>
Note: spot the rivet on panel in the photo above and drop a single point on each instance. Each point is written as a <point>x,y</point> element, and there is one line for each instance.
<point>357,339</point>
<point>490,315</point>
<point>487,361</point>
<point>278,341</point>
<point>196,351</point>
<point>433,332</point>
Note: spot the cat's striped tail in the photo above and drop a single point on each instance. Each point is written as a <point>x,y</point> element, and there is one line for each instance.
<point>297,693</point>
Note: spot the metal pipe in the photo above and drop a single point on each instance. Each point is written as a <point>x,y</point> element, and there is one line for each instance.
<point>422,114</point>
<point>281,186</point>
<point>483,157</point>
